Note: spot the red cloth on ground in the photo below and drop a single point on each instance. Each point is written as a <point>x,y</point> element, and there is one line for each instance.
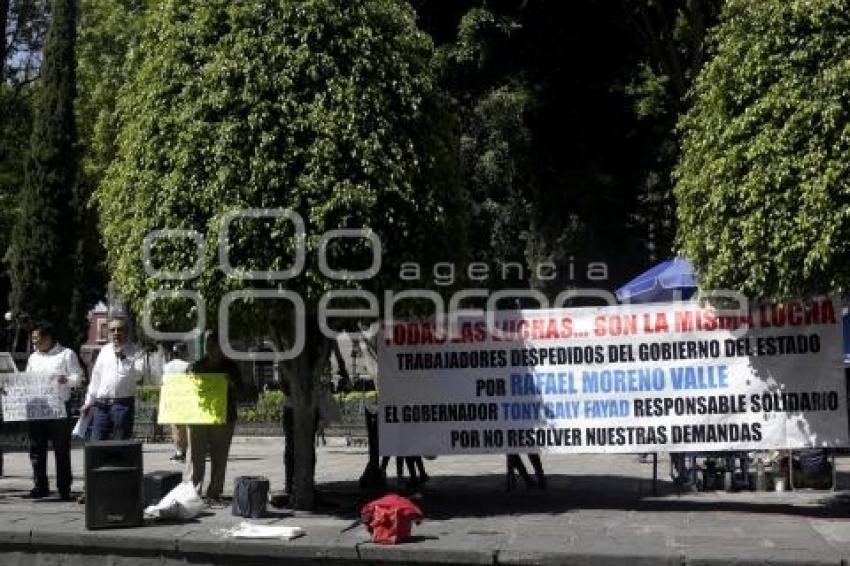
<point>390,517</point>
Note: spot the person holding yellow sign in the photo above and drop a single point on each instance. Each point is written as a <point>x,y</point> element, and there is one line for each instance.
<point>213,439</point>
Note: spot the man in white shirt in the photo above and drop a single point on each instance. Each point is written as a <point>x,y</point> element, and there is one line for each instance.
<point>112,390</point>
<point>51,358</point>
<point>179,434</point>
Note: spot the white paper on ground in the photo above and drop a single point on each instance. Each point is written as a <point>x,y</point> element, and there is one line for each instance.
<point>250,530</point>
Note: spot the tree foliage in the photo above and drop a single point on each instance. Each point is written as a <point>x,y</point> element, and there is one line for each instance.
<point>221,117</point>
<point>24,22</point>
<point>326,109</point>
<point>43,249</point>
<point>551,150</point>
<point>495,140</point>
<point>762,185</point>
<point>108,34</point>
<point>671,34</point>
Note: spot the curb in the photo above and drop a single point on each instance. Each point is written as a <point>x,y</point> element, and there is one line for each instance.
<point>21,547</point>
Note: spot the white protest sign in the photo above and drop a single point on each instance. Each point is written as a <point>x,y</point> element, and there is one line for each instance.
<point>31,397</point>
<point>637,378</point>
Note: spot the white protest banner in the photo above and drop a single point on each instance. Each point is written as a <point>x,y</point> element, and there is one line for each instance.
<point>31,397</point>
<point>636,378</point>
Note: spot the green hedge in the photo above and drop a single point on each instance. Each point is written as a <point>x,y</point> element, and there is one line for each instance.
<point>148,394</point>
<point>371,397</point>
<point>269,407</point>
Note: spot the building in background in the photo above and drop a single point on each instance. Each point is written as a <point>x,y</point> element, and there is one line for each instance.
<point>98,335</point>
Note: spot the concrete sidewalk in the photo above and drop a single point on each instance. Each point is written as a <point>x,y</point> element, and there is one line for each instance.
<point>597,510</point>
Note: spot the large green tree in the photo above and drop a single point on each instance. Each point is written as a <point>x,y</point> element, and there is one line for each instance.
<point>671,37</point>
<point>495,140</point>
<point>551,147</point>
<point>108,34</point>
<point>44,251</point>
<point>24,22</point>
<point>763,184</point>
<point>324,108</point>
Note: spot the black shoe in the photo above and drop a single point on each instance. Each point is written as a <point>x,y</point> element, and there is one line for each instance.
<point>36,493</point>
<point>65,496</point>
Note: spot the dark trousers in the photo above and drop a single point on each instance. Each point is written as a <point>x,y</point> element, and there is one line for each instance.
<point>215,441</point>
<point>58,433</point>
<point>288,449</point>
<point>113,420</point>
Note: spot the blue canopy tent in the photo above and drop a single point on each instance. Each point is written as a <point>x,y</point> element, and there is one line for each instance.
<point>670,280</point>
<point>676,280</point>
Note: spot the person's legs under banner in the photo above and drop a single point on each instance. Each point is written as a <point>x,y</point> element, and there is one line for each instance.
<point>38,437</point>
<point>60,437</point>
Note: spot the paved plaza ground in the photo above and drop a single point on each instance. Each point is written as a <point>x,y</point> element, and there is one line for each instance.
<point>598,509</point>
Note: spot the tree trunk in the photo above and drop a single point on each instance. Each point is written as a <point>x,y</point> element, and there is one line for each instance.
<point>304,375</point>
<point>305,454</point>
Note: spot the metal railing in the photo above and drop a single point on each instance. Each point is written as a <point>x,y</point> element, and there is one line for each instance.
<point>351,422</point>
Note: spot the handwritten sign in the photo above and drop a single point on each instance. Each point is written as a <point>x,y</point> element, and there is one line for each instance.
<point>31,397</point>
<point>193,399</point>
<point>642,378</point>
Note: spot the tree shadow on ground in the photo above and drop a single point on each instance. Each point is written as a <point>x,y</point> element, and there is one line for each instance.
<point>446,497</point>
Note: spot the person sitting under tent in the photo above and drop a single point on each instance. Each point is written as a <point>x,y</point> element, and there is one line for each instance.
<point>811,468</point>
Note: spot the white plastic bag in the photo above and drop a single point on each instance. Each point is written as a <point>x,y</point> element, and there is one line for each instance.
<point>182,502</point>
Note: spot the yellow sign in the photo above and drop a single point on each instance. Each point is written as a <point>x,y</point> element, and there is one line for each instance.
<point>193,398</point>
